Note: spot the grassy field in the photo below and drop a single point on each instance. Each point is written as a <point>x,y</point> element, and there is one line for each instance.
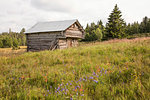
<point>112,70</point>
<point>7,52</point>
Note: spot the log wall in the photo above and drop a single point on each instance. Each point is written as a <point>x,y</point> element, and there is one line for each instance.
<point>74,32</point>
<point>41,41</point>
<point>62,44</point>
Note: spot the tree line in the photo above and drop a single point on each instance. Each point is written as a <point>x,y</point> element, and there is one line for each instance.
<point>12,39</point>
<point>116,27</point>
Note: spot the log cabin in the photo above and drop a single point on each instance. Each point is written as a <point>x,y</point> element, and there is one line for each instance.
<point>54,35</point>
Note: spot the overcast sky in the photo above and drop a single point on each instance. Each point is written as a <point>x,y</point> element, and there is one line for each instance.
<point>16,14</point>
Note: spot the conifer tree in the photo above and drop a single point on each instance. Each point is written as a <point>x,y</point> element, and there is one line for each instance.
<point>115,27</point>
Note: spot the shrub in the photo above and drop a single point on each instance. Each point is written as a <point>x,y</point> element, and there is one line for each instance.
<point>1,43</point>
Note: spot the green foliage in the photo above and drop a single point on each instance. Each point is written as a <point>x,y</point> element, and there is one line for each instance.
<point>139,28</point>
<point>1,43</point>
<point>90,72</point>
<point>15,42</point>
<point>99,34</point>
<point>115,27</point>
<point>94,32</point>
<point>7,42</point>
<point>12,39</point>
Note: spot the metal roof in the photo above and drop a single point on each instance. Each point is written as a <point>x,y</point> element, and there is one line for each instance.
<point>51,26</point>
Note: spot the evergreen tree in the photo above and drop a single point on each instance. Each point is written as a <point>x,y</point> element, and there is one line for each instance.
<point>22,31</point>
<point>22,37</point>
<point>87,29</point>
<point>128,29</point>
<point>87,37</point>
<point>92,27</point>
<point>115,27</point>
<point>144,26</point>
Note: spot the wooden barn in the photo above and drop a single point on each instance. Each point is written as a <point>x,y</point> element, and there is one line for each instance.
<point>54,35</point>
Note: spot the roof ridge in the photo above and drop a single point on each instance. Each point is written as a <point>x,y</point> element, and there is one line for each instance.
<point>57,21</point>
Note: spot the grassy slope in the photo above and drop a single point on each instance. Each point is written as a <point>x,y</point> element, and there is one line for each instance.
<point>103,71</point>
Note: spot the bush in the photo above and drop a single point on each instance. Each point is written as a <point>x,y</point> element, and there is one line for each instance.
<point>7,42</point>
<point>99,34</point>
<point>1,43</point>
<point>15,43</point>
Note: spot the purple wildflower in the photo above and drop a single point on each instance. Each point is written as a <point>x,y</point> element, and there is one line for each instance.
<point>76,87</point>
<point>80,79</point>
<point>61,84</point>
<point>94,73</point>
<point>82,94</point>
<point>100,71</point>
<point>67,84</point>
<point>71,99</point>
<point>103,69</point>
<point>95,81</point>
<point>91,78</point>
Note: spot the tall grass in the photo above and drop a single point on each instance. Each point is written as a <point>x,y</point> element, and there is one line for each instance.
<point>95,72</point>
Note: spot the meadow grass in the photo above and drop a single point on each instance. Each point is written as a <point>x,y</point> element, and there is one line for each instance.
<point>94,71</point>
<point>7,52</point>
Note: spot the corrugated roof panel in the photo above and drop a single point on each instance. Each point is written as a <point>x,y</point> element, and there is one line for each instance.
<point>51,26</point>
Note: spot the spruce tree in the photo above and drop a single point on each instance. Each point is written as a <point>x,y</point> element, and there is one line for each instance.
<point>115,27</point>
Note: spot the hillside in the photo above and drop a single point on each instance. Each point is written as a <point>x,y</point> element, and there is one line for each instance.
<point>109,70</point>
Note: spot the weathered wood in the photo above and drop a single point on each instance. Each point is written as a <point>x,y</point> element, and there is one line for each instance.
<point>73,33</point>
<point>53,40</point>
<point>62,47</point>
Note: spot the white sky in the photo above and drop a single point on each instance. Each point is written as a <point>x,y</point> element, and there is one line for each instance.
<point>16,14</point>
